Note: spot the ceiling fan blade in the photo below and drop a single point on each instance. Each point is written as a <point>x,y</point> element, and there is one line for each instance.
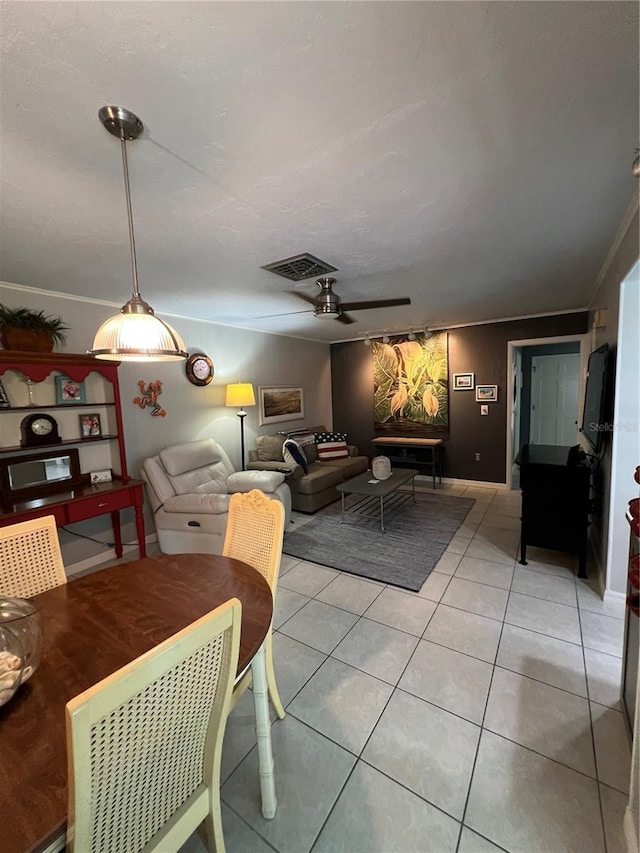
<point>282,314</point>
<point>345,318</point>
<point>309,299</point>
<point>378,303</point>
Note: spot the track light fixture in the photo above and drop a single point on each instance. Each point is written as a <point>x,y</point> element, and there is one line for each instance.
<point>411,336</point>
<point>367,339</point>
<point>636,164</point>
<point>385,338</point>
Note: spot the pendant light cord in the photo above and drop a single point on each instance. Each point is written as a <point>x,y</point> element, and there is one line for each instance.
<point>132,239</point>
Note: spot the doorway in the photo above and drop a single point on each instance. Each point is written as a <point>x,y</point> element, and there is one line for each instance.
<point>546,391</point>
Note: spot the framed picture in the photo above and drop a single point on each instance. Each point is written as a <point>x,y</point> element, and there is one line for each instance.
<point>90,426</point>
<point>277,405</point>
<point>68,391</point>
<point>4,400</point>
<point>486,393</point>
<point>464,381</point>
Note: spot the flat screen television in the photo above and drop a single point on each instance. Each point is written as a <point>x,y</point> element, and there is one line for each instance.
<point>595,417</point>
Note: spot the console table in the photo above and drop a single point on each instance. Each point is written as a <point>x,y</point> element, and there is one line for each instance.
<point>420,453</point>
<point>82,503</point>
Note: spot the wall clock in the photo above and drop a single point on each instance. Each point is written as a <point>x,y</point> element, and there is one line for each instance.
<point>39,429</point>
<point>199,368</point>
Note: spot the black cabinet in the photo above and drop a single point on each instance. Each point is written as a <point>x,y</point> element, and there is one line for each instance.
<point>555,483</point>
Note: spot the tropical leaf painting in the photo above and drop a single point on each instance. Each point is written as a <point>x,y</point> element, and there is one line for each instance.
<point>411,383</point>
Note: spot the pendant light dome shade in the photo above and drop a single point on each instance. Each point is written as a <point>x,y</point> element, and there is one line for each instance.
<point>135,334</point>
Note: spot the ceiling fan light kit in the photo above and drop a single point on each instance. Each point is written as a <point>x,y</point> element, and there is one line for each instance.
<point>135,334</point>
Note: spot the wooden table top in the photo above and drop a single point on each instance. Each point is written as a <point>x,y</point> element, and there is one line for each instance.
<point>366,483</point>
<point>93,626</point>
<point>415,442</point>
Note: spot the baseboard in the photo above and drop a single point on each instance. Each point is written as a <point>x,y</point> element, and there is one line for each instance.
<point>105,556</point>
<point>631,831</point>
<point>453,481</point>
<point>612,596</point>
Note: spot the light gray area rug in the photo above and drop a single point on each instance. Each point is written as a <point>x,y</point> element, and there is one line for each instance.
<point>404,555</point>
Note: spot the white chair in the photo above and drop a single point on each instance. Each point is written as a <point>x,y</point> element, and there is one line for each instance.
<point>189,486</point>
<point>30,558</point>
<point>144,745</point>
<point>254,535</point>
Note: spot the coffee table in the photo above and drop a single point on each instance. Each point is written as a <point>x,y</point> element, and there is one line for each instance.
<point>374,492</point>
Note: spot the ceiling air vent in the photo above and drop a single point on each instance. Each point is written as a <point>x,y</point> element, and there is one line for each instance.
<point>300,267</point>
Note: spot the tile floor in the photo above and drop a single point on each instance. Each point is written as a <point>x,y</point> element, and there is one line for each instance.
<point>479,714</point>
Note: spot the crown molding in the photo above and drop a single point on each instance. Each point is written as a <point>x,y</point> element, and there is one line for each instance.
<point>621,233</point>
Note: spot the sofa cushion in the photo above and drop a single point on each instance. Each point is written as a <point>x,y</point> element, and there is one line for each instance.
<point>195,454</point>
<point>321,476</point>
<point>191,504</point>
<point>311,452</point>
<point>269,448</point>
<point>210,487</point>
<point>349,467</point>
<point>331,445</point>
<point>294,453</point>
<point>245,481</point>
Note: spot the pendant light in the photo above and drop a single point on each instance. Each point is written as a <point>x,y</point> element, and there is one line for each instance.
<point>135,334</point>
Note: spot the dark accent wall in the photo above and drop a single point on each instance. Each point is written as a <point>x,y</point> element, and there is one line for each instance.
<point>478,349</point>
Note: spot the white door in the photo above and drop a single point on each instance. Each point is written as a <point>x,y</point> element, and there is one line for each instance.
<point>554,399</point>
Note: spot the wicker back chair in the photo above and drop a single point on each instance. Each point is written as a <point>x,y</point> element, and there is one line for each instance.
<point>254,535</point>
<point>30,558</point>
<point>144,745</point>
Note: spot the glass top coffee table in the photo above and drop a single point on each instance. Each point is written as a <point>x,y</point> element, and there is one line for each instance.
<point>375,492</point>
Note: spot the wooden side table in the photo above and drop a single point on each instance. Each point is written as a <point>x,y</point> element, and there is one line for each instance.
<point>417,453</point>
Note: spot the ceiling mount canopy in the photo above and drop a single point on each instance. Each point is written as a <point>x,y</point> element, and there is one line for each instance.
<point>135,334</point>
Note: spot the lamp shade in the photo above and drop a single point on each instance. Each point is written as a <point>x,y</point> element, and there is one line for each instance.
<point>240,394</point>
<point>138,337</point>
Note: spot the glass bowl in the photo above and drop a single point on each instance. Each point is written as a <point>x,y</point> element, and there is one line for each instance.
<point>20,624</point>
<point>11,665</point>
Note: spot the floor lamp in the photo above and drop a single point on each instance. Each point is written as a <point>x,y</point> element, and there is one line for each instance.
<point>241,394</point>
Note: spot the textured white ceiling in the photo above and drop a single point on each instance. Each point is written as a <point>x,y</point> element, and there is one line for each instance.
<point>473,156</point>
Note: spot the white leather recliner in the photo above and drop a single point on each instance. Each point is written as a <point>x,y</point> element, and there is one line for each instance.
<point>189,486</point>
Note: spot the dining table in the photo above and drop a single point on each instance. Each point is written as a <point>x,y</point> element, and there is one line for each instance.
<point>92,626</point>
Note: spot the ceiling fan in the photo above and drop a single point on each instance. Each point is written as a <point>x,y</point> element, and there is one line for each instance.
<point>328,304</point>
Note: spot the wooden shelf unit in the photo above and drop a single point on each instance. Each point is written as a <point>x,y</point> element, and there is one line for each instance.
<point>89,500</point>
<point>39,367</point>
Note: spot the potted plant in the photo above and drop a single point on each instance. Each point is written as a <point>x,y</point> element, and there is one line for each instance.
<point>30,331</point>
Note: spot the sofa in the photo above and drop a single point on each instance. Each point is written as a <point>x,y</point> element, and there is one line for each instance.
<point>189,487</point>
<point>315,489</point>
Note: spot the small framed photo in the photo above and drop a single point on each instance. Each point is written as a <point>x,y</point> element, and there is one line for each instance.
<point>4,400</point>
<point>68,391</point>
<point>486,393</point>
<point>464,381</point>
<point>90,426</point>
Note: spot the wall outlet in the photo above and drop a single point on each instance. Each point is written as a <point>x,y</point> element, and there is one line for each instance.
<point>477,457</point>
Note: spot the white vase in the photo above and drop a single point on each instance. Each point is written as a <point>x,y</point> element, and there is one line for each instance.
<point>381,467</point>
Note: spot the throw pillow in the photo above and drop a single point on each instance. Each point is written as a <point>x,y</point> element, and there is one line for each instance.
<point>269,448</point>
<point>294,454</point>
<point>331,445</point>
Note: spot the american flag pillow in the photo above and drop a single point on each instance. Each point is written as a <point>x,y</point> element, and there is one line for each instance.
<point>331,445</point>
